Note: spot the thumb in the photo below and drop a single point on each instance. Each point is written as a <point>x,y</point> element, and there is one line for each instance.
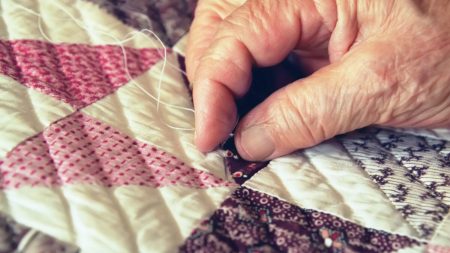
<point>308,111</point>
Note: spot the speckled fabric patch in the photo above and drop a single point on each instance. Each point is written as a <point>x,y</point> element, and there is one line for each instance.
<point>250,221</point>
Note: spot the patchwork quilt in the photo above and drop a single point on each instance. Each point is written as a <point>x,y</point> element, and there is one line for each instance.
<point>97,153</point>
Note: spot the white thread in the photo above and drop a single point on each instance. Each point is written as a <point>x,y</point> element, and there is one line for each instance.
<point>26,240</point>
<point>120,43</point>
<point>150,25</point>
<point>104,32</point>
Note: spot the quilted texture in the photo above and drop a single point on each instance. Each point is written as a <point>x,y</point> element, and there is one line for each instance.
<point>25,112</point>
<point>412,174</point>
<point>80,149</point>
<point>76,74</point>
<point>253,222</point>
<point>325,178</point>
<point>96,151</point>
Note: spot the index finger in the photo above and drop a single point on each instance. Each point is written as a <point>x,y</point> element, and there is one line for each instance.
<point>208,16</point>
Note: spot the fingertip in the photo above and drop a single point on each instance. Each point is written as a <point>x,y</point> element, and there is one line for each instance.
<point>215,114</point>
<point>202,143</point>
<point>254,141</point>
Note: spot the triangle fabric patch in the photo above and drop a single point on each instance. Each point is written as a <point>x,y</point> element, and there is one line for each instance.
<point>251,221</point>
<point>400,165</point>
<point>240,169</point>
<point>77,74</point>
<point>82,150</point>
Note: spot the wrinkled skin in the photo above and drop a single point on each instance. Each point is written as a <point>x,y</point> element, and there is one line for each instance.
<point>372,62</point>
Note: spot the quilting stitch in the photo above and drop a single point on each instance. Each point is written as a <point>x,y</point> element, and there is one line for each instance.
<point>403,181</point>
<point>424,165</point>
<point>81,149</point>
<point>250,221</point>
<point>74,73</point>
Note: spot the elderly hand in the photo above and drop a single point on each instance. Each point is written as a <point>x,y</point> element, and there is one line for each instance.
<point>372,62</point>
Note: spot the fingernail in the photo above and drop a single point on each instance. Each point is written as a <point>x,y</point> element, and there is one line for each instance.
<point>257,143</point>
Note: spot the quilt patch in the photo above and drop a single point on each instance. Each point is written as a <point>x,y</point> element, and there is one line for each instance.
<point>409,171</point>
<point>239,169</point>
<point>81,149</point>
<point>74,73</point>
<point>250,221</point>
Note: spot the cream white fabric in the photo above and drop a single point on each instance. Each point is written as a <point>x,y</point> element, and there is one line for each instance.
<point>25,112</point>
<point>70,21</point>
<point>167,127</point>
<point>325,178</point>
<point>121,219</point>
<point>180,46</point>
<point>442,234</point>
<point>416,249</point>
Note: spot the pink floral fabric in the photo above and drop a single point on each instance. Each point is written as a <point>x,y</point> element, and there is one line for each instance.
<point>82,150</point>
<point>74,73</point>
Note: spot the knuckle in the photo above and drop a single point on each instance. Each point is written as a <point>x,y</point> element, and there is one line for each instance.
<point>234,72</point>
<point>378,85</point>
<point>293,121</point>
<point>254,20</point>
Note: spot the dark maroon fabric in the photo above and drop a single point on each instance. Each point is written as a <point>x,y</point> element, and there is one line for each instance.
<point>169,19</point>
<point>239,169</point>
<point>182,62</point>
<point>250,221</point>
